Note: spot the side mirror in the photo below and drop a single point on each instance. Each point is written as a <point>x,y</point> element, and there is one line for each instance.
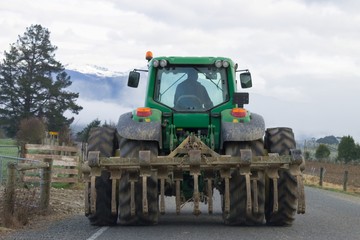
<point>133,80</point>
<point>245,80</point>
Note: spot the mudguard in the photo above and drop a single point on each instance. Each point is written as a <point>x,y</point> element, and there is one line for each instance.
<point>248,131</point>
<point>134,130</point>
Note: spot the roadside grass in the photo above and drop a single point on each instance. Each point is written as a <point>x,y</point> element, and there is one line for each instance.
<point>313,181</point>
<point>25,205</point>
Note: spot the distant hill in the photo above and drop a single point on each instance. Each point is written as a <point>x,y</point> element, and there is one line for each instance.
<point>103,94</point>
<point>328,140</point>
<point>92,86</point>
<point>99,84</point>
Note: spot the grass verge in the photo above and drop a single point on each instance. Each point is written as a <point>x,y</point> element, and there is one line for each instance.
<point>313,181</point>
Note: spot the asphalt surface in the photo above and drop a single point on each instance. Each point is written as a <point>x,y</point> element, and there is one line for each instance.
<point>329,215</point>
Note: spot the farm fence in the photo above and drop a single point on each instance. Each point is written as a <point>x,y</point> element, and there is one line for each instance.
<point>25,182</point>
<point>18,198</point>
<point>66,161</point>
<point>347,175</point>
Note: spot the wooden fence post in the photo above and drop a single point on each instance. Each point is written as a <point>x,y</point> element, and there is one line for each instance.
<point>345,180</point>
<point>45,185</point>
<point>321,176</point>
<point>9,203</point>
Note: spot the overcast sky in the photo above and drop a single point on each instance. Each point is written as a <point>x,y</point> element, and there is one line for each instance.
<point>304,55</point>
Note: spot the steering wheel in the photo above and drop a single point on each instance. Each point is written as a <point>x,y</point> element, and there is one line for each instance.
<point>188,102</point>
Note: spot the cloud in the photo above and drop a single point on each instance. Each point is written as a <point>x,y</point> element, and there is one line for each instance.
<point>299,51</point>
<point>95,109</point>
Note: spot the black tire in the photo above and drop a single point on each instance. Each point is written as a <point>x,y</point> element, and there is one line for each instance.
<point>131,148</point>
<point>103,139</point>
<point>281,140</point>
<point>238,197</point>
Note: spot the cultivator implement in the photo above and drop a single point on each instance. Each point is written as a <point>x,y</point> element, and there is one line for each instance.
<point>196,158</point>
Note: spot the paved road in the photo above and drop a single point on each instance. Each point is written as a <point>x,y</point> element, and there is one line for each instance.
<point>329,215</point>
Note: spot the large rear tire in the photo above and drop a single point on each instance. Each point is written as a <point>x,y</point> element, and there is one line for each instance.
<point>238,197</point>
<point>103,139</point>
<point>281,140</point>
<point>131,148</point>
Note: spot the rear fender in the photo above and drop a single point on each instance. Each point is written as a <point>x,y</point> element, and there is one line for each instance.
<point>128,128</point>
<point>243,131</point>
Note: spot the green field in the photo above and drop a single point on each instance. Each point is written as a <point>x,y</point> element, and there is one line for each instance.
<point>7,141</point>
<point>8,148</point>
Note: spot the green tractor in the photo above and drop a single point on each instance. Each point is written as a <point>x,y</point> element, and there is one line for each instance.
<point>193,136</point>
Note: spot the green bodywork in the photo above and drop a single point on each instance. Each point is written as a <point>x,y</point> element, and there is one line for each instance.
<point>176,126</point>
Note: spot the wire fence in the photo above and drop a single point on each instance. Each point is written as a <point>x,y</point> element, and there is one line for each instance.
<point>6,160</point>
<point>20,198</point>
<point>17,203</point>
<point>25,183</point>
<point>8,153</point>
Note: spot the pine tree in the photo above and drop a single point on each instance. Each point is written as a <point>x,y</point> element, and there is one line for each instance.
<point>33,83</point>
<point>347,149</point>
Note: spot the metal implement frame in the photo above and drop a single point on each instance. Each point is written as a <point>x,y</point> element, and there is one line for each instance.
<point>193,156</point>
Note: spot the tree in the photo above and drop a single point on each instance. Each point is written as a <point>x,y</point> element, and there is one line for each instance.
<point>347,149</point>
<point>31,130</point>
<point>357,152</point>
<point>33,83</point>
<point>65,136</point>
<point>322,152</point>
<point>307,155</point>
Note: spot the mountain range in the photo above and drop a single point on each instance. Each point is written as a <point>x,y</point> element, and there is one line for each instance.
<point>103,94</point>
<point>91,83</point>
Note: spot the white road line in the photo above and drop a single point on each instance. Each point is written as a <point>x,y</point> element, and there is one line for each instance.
<point>98,233</point>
